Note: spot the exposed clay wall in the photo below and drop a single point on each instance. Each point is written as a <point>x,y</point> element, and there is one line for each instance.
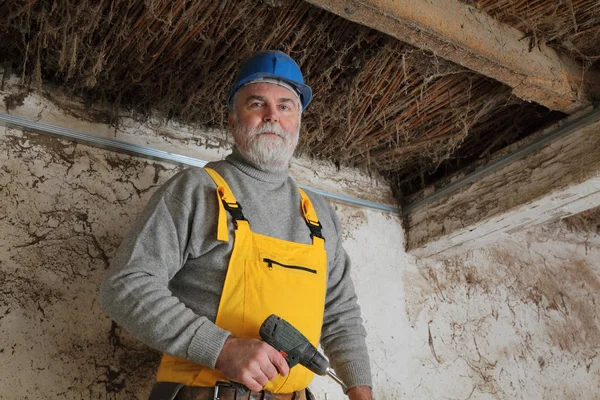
<point>515,320</point>
<point>64,209</point>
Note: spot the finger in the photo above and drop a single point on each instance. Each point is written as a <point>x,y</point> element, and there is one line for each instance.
<point>252,384</point>
<point>270,371</point>
<point>279,362</point>
<point>262,380</point>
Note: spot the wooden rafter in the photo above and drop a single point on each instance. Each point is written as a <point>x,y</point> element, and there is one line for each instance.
<point>469,37</point>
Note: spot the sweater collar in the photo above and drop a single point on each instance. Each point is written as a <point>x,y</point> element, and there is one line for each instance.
<point>254,171</point>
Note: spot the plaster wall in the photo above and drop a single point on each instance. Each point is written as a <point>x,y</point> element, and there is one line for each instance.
<point>514,320</point>
<point>517,319</point>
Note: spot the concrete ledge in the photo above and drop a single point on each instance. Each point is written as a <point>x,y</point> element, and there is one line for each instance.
<point>560,179</point>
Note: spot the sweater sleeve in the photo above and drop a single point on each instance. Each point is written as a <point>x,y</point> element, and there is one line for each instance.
<point>135,292</point>
<point>343,335</point>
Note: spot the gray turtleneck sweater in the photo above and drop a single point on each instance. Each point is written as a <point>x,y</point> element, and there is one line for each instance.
<point>165,282</point>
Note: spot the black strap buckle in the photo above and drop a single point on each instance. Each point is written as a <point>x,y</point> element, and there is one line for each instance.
<point>315,228</point>
<point>238,388</point>
<point>235,212</point>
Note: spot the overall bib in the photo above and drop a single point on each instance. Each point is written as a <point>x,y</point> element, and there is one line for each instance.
<point>265,276</point>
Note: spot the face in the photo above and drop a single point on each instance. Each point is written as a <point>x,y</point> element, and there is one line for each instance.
<point>265,124</point>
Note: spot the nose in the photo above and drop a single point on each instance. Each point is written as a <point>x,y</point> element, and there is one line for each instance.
<point>271,114</point>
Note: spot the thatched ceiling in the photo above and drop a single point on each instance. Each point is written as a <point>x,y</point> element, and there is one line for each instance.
<point>379,103</point>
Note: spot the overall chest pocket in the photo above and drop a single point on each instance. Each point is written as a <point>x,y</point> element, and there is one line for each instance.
<point>292,289</point>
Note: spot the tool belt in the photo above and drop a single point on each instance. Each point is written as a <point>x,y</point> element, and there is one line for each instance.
<point>222,391</point>
<point>230,393</point>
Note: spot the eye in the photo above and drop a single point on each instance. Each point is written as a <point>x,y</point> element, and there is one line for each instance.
<point>285,107</point>
<point>255,104</point>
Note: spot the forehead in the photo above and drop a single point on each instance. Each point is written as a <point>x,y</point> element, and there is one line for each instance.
<point>270,91</point>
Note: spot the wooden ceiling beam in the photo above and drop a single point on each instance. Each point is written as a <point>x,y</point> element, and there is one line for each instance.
<point>469,37</point>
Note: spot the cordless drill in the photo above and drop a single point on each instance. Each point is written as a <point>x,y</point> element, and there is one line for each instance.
<point>295,347</point>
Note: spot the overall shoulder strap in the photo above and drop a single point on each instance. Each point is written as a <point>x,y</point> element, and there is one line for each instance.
<point>310,216</point>
<point>226,201</point>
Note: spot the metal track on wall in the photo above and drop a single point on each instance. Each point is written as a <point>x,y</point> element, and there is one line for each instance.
<point>147,152</point>
<point>10,121</point>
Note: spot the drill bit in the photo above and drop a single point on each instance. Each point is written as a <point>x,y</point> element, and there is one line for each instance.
<point>332,374</point>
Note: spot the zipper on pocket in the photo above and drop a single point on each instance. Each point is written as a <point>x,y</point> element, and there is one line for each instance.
<point>270,264</point>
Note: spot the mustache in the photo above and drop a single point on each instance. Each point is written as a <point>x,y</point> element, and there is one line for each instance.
<point>268,127</point>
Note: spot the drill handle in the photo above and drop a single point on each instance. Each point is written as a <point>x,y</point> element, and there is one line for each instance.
<point>294,346</point>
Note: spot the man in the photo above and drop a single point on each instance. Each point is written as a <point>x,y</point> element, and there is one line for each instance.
<point>219,249</point>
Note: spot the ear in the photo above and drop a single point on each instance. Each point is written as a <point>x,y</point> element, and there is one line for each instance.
<point>231,121</point>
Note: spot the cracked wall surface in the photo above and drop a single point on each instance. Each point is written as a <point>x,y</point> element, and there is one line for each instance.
<point>515,320</point>
<point>63,210</point>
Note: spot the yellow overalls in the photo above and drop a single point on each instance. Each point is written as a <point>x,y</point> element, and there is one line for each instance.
<point>265,276</point>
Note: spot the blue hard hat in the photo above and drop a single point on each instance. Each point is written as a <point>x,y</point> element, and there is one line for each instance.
<point>272,65</point>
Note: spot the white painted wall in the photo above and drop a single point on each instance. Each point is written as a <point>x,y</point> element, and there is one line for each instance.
<point>515,320</point>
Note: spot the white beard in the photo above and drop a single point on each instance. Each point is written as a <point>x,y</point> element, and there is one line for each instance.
<point>271,153</point>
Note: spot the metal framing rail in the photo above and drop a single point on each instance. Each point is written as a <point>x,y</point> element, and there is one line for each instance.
<point>147,152</point>
<point>10,121</point>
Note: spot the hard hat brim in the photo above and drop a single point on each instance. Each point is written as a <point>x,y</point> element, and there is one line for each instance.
<point>304,91</point>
